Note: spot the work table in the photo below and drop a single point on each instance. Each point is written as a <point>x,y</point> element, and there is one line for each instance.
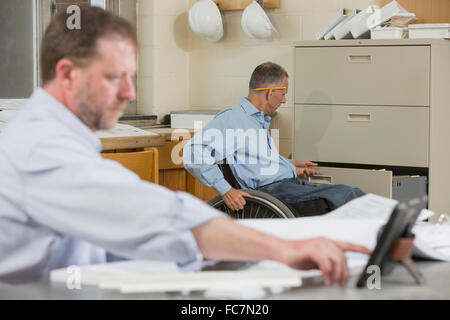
<point>398,285</point>
<point>172,134</point>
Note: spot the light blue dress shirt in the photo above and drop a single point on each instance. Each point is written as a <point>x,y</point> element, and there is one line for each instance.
<point>61,203</point>
<point>240,135</point>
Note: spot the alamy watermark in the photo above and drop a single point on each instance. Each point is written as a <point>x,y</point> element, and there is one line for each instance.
<point>374,280</point>
<point>73,22</point>
<point>73,281</point>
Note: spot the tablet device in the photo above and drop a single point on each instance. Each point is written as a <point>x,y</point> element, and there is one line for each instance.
<point>399,225</point>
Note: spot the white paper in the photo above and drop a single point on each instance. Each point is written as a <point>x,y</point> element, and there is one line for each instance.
<point>205,280</point>
<point>92,275</point>
<point>139,276</point>
<point>385,14</point>
<point>369,206</point>
<point>372,206</point>
<point>360,231</point>
<point>434,235</point>
<point>359,221</point>
<point>123,130</point>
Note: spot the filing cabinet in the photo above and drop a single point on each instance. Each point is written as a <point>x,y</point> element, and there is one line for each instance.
<point>370,110</point>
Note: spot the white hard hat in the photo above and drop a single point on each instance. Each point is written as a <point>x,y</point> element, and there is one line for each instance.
<point>205,20</point>
<point>256,23</point>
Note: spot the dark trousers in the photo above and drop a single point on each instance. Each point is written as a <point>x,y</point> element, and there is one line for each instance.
<point>300,195</point>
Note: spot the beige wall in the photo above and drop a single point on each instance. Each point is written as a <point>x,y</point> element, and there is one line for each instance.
<point>163,56</point>
<point>180,70</point>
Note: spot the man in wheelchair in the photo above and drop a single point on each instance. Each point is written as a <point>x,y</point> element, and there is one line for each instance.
<point>240,136</point>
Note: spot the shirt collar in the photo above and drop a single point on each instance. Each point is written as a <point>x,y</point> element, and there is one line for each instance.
<point>65,116</point>
<point>251,110</point>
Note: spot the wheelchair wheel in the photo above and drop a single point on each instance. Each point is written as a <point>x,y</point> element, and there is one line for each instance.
<point>261,206</point>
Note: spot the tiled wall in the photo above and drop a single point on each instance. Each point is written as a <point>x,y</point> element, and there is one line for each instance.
<point>163,56</point>
<point>180,70</point>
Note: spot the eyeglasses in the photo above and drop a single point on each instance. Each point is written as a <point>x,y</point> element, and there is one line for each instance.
<point>270,88</point>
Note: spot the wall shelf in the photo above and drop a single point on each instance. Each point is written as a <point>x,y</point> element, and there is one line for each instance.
<point>225,5</point>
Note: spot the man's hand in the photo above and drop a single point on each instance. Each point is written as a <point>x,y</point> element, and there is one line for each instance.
<point>224,239</point>
<point>234,199</point>
<point>305,168</point>
<point>321,253</point>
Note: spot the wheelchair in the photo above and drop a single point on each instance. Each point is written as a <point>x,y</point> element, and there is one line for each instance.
<point>264,205</point>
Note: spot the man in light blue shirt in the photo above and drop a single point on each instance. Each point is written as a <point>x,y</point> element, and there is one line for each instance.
<point>62,204</point>
<point>241,136</point>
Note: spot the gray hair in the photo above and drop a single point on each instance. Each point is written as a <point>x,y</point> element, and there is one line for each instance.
<point>267,74</point>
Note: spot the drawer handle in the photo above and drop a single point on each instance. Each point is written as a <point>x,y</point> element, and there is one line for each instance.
<point>321,179</point>
<point>360,59</point>
<point>358,117</point>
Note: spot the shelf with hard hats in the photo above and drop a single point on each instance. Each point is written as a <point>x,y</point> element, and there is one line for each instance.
<point>225,5</point>
<point>205,19</point>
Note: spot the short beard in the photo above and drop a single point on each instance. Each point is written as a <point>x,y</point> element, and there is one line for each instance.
<point>91,114</point>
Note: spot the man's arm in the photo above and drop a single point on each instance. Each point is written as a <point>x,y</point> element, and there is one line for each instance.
<point>196,159</point>
<point>74,192</point>
<point>199,159</point>
<point>202,153</point>
<point>224,239</point>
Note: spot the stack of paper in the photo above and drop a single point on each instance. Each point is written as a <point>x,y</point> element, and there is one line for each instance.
<point>191,119</point>
<point>432,241</point>
<point>92,275</point>
<point>429,30</point>
<point>388,33</point>
<point>206,280</point>
<point>391,15</point>
<point>359,221</point>
<point>136,276</point>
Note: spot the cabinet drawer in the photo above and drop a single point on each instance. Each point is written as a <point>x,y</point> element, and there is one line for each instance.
<point>384,75</point>
<point>370,181</point>
<point>397,136</point>
<point>412,189</point>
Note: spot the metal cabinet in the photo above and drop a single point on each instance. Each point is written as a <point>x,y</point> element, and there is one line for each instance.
<point>357,75</point>
<point>371,110</point>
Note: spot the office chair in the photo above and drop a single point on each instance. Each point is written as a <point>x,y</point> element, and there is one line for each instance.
<point>144,163</point>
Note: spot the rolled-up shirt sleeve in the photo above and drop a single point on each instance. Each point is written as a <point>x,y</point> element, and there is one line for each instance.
<point>101,202</point>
